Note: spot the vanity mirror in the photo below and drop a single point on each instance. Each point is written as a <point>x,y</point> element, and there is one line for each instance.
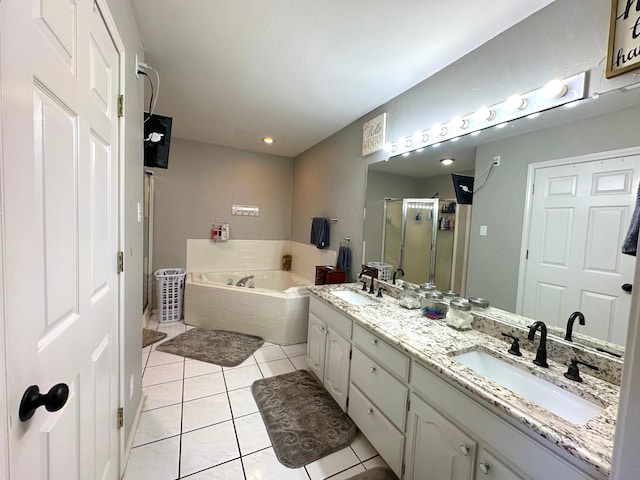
<point>501,214</point>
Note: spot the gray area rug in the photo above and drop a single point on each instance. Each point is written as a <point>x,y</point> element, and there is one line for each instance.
<point>302,419</point>
<point>151,336</point>
<point>227,349</point>
<point>378,473</point>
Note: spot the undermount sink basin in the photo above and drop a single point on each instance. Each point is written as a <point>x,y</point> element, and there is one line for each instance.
<point>567,405</point>
<point>353,298</point>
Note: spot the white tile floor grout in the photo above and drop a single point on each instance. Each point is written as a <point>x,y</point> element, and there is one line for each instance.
<point>200,422</point>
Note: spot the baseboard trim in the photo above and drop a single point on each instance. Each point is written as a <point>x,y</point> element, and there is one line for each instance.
<point>132,434</point>
<point>146,316</point>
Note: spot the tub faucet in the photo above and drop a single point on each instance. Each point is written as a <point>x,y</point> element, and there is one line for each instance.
<point>541,354</point>
<point>398,270</point>
<point>370,272</point>
<point>243,281</point>
<point>572,319</point>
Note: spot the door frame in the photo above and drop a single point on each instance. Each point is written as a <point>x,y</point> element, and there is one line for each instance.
<point>4,413</point>
<point>120,48</point>
<point>526,228</point>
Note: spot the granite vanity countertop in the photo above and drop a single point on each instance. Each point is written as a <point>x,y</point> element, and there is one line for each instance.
<point>433,343</point>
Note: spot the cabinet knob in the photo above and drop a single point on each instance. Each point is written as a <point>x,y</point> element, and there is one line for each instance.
<point>464,450</point>
<point>369,411</point>
<point>323,330</point>
<point>484,467</point>
<point>372,369</point>
<point>374,341</point>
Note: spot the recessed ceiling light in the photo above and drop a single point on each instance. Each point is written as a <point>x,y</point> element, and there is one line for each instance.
<point>447,161</point>
<point>267,140</point>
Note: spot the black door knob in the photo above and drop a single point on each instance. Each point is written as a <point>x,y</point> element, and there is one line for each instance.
<point>627,287</point>
<point>53,400</point>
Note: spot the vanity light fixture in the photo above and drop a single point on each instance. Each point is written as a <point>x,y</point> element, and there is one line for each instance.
<point>267,140</point>
<point>406,154</point>
<point>555,93</point>
<point>477,132</point>
<point>534,115</point>
<point>447,161</point>
<point>501,125</point>
<point>555,89</point>
<point>455,139</point>
<point>420,150</point>
<point>517,102</point>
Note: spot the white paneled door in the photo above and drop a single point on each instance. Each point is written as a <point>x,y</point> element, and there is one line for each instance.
<point>580,215</point>
<point>60,89</point>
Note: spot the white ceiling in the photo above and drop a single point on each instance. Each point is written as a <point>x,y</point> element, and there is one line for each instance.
<point>234,71</point>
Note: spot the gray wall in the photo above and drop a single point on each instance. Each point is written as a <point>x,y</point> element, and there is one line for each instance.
<point>329,181</point>
<point>201,184</point>
<point>131,334</point>
<point>500,203</point>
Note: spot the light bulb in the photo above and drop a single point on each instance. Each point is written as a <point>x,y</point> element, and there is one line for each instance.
<point>460,123</point>
<point>555,88</point>
<point>484,114</point>
<point>516,102</point>
<point>447,161</point>
<point>439,130</point>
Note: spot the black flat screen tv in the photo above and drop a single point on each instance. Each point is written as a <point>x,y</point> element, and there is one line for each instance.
<point>156,147</point>
<point>463,186</point>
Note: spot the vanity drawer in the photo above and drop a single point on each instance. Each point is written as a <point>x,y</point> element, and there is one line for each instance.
<point>385,438</point>
<point>393,360</point>
<point>332,317</point>
<point>373,380</point>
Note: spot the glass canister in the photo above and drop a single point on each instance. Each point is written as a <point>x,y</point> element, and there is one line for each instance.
<point>432,304</point>
<point>450,294</point>
<point>478,304</point>
<point>459,314</point>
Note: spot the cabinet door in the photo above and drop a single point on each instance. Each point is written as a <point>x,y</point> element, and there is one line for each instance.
<point>435,447</point>
<point>489,467</point>
<point>316,344</point>
<point>336,367</point>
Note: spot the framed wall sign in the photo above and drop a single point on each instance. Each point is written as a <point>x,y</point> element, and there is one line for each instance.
<point>623,54</point>
<point>373,134</point>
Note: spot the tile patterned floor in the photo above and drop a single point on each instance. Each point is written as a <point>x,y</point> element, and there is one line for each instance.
<point>200,421</point>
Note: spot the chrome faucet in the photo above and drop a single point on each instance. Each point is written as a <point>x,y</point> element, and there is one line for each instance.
<point>370,272</point>
<point>243,281</point>
<point>541,354</point>
<point>572,318</point>
<point>396,272</point>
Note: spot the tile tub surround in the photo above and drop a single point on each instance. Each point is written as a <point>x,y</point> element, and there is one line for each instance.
<point>252,255</point>
<point>275,316</point>
<point>432,343</point>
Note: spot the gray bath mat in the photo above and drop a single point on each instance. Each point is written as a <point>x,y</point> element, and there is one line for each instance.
<point>302,419</point>
<point>378,473</point>
<point>214,346</point>
<point>151,336</point>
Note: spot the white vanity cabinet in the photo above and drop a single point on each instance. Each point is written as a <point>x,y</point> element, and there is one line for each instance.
<point>436,448</point>
<point>522,455</point>
<point>378,394</point>
<point>488,467</point>
<point>329,348</point>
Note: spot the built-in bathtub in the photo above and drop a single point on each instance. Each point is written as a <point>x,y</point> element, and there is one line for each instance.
<point>276,308</point>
